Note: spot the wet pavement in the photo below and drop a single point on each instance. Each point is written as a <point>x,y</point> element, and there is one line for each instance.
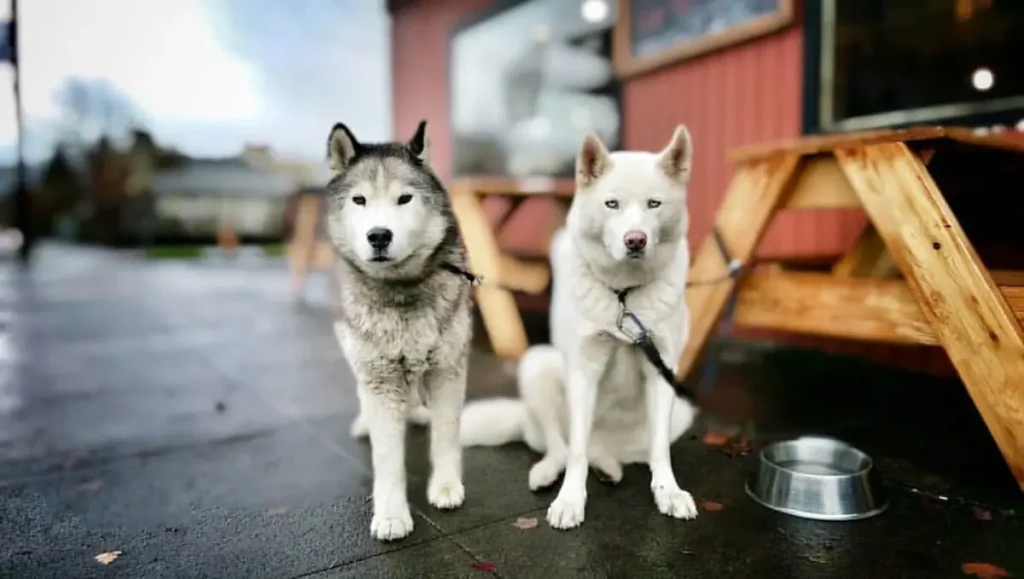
<point>187,415</point>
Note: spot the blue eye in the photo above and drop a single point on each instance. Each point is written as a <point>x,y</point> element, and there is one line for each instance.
<point>611,204</point>
<point>653,203</point>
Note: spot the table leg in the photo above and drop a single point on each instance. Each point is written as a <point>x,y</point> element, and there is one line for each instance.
<point>969,315</point>
<point>756,191</point>
<point>303,242</point>
<point>497,306</point>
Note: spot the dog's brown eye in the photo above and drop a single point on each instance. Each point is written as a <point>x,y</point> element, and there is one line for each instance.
<point>359,200</point>
<point>403,199</point>
<point>653,203</point>
<point>611,204</point>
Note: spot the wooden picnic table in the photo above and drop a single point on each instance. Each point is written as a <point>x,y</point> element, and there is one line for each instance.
<point>497,305</point>
<point>913,277</point>
<point>308,248</point>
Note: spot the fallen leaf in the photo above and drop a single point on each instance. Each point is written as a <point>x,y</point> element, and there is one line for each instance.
<point>984,570</point>
<point>739,446</point>
<point>277,511</point>
<point>715,439</point>
<point>711,506</point>
<point>91,486</point>
<point>485,566</point>
<point>107,557</point>
<point>526,523</point>
<point>981,514</point>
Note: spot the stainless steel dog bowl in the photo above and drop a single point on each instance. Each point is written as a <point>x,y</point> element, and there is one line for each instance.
<point>817,478</point>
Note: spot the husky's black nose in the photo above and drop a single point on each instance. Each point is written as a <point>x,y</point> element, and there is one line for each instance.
<point>379,238</point>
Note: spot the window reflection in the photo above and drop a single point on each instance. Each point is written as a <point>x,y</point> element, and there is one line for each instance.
<point>528,83</point>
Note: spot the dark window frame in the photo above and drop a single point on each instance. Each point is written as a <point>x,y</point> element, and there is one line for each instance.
<point>819,26</point>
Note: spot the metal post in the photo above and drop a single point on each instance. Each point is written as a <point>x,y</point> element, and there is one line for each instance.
<point>22,202</point>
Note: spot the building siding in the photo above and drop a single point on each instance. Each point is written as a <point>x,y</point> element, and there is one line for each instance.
<point>746,94</point>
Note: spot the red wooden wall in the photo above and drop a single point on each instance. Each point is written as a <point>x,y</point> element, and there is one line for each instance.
<point>742,95</point>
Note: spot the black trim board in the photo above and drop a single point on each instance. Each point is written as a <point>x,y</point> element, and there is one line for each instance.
<point>812,24</point>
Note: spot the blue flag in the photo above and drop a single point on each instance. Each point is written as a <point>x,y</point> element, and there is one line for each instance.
<point>6,42</point>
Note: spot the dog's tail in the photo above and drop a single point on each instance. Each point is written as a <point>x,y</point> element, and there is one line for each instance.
<point>497,421</point>
<point>493,422</point>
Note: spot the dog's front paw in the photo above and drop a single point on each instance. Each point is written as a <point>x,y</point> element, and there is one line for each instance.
<point>359,427</point>
<point>567,512</point>
<point>391,526</point>
<point>674,501</point>
<point>446,494</point>
<point>419,415</point>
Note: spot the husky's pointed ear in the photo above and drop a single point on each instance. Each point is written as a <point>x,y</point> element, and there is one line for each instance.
<point>592,162</point>
<point>675,159</point>
<point>419,144</point>
<point>342,146</point>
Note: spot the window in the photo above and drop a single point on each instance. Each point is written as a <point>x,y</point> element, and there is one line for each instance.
<point>528,81</point>
<point>881,63</point>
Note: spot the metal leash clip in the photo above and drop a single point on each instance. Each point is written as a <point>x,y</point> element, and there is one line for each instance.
<point>639,334</point>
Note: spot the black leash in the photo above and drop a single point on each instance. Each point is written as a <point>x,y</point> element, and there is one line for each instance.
<point>641,337</point>
<point>472,278</point>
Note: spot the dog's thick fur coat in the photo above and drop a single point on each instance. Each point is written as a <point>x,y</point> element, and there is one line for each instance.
<point>591,397</point>
<point>403,322</point>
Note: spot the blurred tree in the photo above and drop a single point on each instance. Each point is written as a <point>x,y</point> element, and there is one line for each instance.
<point>61,188</point>
<point>61,182</point>
<point>92,109</point>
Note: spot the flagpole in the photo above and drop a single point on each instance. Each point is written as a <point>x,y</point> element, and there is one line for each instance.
<point>22,202</point>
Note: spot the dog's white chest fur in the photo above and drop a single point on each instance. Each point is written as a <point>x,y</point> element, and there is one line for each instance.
<point>591,398</point>
<point>587,310</point>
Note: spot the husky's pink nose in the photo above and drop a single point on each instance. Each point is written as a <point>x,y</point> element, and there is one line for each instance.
<point>635,240</point>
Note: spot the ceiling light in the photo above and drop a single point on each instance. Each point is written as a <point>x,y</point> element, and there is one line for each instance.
<point>594,11</point>
<point>982,79</point>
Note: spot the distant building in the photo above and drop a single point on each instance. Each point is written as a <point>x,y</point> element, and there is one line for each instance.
<point>197,197</point>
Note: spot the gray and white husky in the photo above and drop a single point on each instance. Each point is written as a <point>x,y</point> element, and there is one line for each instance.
<point>402,320</point>
<point>591,397</point>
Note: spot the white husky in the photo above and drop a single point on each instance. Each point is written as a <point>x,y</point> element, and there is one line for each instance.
<point>591,397</point>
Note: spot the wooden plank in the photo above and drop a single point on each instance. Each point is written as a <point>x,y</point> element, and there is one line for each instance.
<point>303,245</point>
<point>820,304</point>
<point>497,306</point>
<point>877,310</point>
<point>823,143</point>
<point>531,277</point>
<point>1008,277</point>
<point>867,258</point>
<point>970,317</point>
<point>1014,296</point>
<point>817,144</point>
<point>821,185</point>
<point>756,192</point>
<point>1004,141</point>
<point>538,186</point>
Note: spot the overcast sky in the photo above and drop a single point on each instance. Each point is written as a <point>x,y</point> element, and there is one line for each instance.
<point>208,75</point>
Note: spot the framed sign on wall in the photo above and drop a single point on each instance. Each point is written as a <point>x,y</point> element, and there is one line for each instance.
<point>653,33</point>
